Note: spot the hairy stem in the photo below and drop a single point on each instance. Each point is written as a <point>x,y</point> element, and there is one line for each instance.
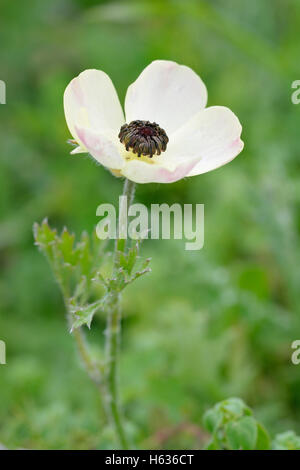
<point>113,330</point>
<point>87,360</point>
<point>91,366</point>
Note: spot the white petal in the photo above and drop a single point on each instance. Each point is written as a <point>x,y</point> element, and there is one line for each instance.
<point>166,93</point>
<point>78,150</point>
<point>142,172</point>
<point>91,101</point>
<point>102,148</point>
<point>213,135</point>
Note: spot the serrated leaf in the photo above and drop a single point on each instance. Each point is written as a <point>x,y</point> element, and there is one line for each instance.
<point>99,278</point>
<point>138,274</point>
<point>83,315</point>
<point>128,260</point>
<point>44,237</point>
<point>66,246</point>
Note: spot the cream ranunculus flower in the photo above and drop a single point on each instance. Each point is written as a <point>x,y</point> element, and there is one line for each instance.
<point>168,134</point>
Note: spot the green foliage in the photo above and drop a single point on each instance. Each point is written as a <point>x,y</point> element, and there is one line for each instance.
<point>132,266</point>
<point>77,269</point>
<point>234,427</point>
<point>75,266</point>
<point>286,441</point>
<point>84,315</point>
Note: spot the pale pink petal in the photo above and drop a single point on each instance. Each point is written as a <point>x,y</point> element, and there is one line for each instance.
<point>143,172</point>
<point>104,150</point>
<point>213,135</point>
<point>91,101</point>
<point>166,93</point>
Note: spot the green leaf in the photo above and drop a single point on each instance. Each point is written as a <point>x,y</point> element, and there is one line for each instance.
<point>263,441</point>
<point>286,441</point>
<point>84,315</point>
<point>45,238</point>
<point>212,445</point>
<point>212,419</point>
<point>128,260</point>
<point>242,434</point>
<point>84,255</point>
<point>235,406</point>
<point>65,244</point>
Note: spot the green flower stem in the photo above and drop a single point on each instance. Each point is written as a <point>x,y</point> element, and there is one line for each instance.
<point>113,330</point>
<point>128,191</point>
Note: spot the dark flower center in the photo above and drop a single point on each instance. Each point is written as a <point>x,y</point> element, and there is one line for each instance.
<point>144,138</point>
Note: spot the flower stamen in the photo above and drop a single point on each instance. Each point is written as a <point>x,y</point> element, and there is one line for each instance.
<point>144,138</point>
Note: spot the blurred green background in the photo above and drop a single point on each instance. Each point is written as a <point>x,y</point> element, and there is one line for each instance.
<point>204,325</point>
